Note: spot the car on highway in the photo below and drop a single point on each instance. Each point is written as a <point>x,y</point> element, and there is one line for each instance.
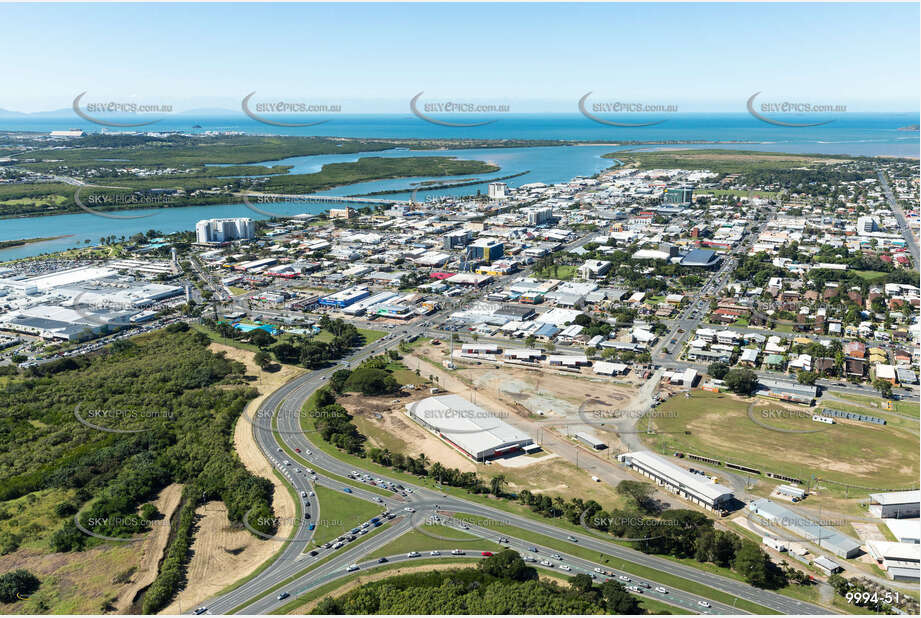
<point>347,490</point>
<point>546,563</point>
<point>352,567</point>
<point>703,603</point>
<point>661,590</point>
<point>634,589</point>
<point>534,549</point>
<point>200,610</point>
<point>413,554</point>
<point>434,552</point>
<point>486,553</point>
<point>572,538</point>
<point>566,567</point>
<point>311,526</point>
<point>283,596</point>
<point>624,578</point>
<point>556,556</point>
<point>409,509</point>
<point>297,450</point>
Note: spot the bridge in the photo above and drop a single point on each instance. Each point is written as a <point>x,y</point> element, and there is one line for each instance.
<point>332,199</point>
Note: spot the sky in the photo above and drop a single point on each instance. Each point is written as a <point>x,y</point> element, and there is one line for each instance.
<point>533,57</point>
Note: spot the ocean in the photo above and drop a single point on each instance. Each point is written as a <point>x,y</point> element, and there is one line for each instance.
<point>853,134</point>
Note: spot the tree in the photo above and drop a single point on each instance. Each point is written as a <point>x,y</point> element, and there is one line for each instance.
<point>507,564</point>
<point>286,353</point>
<point>807,377</point>
<point>884,388</point>
<point>495,485</point>
<point>16,583</point>
<point>617,599</point>
<point>338,379</point>
<point>368,381</point>
<point>718,370</point>
<point>756,567</point>
<point>640,493</point>
<point>741,381</point>
<point>581,582</point>
<point>262,359</point>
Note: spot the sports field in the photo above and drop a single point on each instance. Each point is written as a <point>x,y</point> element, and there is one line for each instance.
<point>784,439</point>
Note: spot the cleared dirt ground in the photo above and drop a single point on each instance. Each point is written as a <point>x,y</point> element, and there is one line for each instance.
<point>151,549</point>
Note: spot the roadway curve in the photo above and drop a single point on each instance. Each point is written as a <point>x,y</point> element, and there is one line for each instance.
<point>289,401</point>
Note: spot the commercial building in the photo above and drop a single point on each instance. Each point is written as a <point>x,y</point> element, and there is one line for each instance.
<point>701,258</point>
<point>591,440</point>
<point>497,190</point>
<point>823,536</point>
<point>539,216</point>
<point>457,238</point>
<point>592,269</point>
<point>224,230</point>
<point>902,561</point>
<point>691,487</point>
<point>341,213</point>
<point>477,433</point>
<point>344,298</point>
<point>485,249</point>
<point>896,504</point>
<point>681,196</point>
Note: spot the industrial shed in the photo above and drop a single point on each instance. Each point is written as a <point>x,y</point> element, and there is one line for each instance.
<point>477,433</point>
<point>823,536</point>
<point>692,487</point>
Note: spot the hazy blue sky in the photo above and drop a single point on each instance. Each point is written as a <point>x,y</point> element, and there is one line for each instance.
<point>537,57</point>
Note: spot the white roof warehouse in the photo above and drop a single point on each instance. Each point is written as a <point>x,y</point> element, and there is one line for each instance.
<point>676,479</point>
<point>478,433</point>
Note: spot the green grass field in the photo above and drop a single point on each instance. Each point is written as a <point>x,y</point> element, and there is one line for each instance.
<point>908,408</point>
<point>847,452</point>
<point>417,541</point>
<point>339,513</point>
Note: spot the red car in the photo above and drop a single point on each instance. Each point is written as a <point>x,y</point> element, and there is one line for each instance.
<point>486,553</point>
<point>297,450</point>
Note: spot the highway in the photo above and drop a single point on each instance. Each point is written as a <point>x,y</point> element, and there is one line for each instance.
<point>289,401</point>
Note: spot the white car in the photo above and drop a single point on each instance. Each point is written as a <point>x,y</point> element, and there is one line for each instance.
<point>566,567</point>
<point>623,578</point>
<point>352,567</point>
<point>661,590</point>
<point>598,570</point>
<point>413,554</point>
<point>703,603</point>
<point>434,553</point>
<point>546,563</point>
<point>457,552</point>
<point>409,509</point>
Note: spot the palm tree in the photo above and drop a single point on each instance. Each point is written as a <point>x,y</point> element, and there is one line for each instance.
<point>495,485</point>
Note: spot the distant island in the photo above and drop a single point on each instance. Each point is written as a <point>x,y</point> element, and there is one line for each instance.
<point>7,244</point>
<point>911,127</point>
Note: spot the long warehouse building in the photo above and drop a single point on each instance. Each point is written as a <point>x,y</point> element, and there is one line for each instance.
<point>692,487</point>
<point>824,536</point>
<point>477,433</point>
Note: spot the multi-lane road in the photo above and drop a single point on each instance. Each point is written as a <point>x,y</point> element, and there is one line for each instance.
<point>287,403</point>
